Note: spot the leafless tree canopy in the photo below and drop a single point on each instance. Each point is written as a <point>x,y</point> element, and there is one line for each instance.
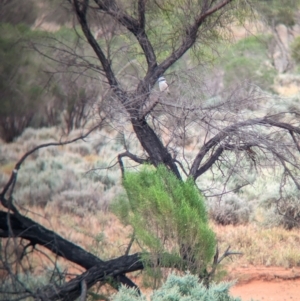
<point>230,139</point>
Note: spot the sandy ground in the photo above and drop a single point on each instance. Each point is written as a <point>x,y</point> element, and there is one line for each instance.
<point>267,283</point>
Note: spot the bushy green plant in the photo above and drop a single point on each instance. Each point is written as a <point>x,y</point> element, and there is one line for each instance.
<point>168,216</point>
<point>176,288</point>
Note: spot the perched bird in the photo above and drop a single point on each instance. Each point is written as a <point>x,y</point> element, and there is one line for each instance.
<point>163,86</point>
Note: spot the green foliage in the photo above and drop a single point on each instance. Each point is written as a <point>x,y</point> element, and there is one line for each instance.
<point>20,88</point>
<point>168,23</point>
<point>278,11</point>
<point>168,216</point>
<point>295,50</point>
<point>247,60</point>
<point>178,288</point>
<point>37,91</point>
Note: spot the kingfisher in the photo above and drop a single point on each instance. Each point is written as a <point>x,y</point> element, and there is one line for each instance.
<point>163,86</point>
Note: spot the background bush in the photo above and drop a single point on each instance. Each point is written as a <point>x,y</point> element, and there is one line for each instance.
<point>38,91</point>
<point>282,212</point>
<point>230,210</point>
<point>248,61</point>
<point>20,88</point>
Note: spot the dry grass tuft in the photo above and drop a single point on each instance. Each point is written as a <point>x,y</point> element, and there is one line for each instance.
<point>268,247</point>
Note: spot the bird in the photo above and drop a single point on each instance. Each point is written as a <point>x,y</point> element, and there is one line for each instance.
<point>163,86</point>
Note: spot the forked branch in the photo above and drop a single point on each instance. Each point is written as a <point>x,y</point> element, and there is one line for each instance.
<point>220,140</point>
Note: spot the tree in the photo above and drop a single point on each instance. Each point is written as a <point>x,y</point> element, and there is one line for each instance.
<point>20,92</point>
<point>57,97</point>
<point>276,13</point>
<point>231,140</point>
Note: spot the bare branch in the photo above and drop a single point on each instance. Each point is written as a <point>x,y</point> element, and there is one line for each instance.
<point>217,260</point>
<point>295,141</point>
<point>132,157</point>
<point>81,15</point>
<point>83,291</point>
<point>101,272</point>
<point>136,27</point>
<point>217,139</point>
<point>130,244</point>
<point>190,37</point>
<point>37,234</point>
<point>209,163</point>
<point>141,11</point>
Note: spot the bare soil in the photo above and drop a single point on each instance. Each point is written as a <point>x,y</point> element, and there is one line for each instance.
<point>266,283</point>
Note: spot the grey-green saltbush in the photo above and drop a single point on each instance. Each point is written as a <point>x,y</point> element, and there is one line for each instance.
<point>176,288</point>
<point>284,212</point>
<point>230,210</point>
<point>18,286</point>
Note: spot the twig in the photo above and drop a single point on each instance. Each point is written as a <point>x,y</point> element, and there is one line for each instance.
<point>130,244</point>
<point>132,157</point>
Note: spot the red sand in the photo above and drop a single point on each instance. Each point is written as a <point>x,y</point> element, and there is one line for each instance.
<point>266,283</point>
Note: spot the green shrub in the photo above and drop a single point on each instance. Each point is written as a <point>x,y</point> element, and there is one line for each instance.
<point>168,217</point>
<point>176,288</point>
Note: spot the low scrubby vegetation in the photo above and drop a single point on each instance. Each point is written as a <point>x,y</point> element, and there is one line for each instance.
<point>230,210</point>
<point>181,288</point>
<point>71,177</point>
